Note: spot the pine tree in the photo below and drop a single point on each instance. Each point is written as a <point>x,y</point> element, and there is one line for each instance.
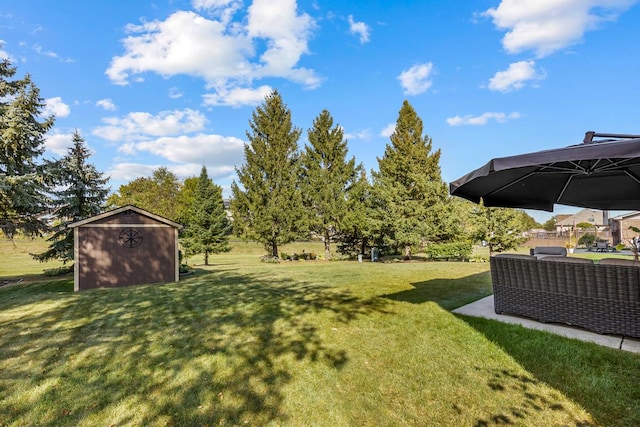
<point>356,224</point>
<point>23,175</point>
<point>327,178</point>
<point>81,193</point>
<point>267,204</point>
<point>208,227</point>
<point>409,193</point>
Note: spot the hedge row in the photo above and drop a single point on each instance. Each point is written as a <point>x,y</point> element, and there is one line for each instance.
<point>449,251</point>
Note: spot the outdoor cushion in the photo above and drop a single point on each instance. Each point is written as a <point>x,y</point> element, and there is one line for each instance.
<point>542,256</point>
<point>520,256</point>
<point>567,260</point>
<point>618,261</point>
<point>549,250</point>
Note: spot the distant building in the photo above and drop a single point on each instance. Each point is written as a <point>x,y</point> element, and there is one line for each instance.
<point>620,227</point>
<point>598,219</point>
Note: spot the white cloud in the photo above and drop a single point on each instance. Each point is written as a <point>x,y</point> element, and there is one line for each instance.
<point>210,149</point>
<point>59,143</point>
<point>3,53</point>
<point>127,172</point>
<point>286,34</point>
<point>546,26</point>
<point>363,135</point>
<point>237,97</point>
<point>267,42</point>
<point>141,124</point>
<point>55,106</point>
<point>359,28</point>
<point>416,79</point>
<point>187,154</point>
<point>482,119</point>
<point>41,51</point>
<point>185,43</point>
<point>221,9</point>
<point>107,104</point>
<point>170,135</point>
<point>388,130</point>
<point>38,49</point>
<point>514,77</point>
<point>175,93</point>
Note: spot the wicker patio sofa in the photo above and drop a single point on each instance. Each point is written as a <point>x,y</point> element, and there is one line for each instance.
<point>602,297</point>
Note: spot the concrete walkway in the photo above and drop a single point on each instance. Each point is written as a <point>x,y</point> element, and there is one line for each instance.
<point>484,308</point>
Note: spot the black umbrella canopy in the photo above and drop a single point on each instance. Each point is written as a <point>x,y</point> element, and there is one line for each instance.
<point>602,174</point>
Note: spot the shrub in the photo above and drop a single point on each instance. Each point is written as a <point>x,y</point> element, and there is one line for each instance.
<point>59,271</point>
<point>587,239</point>
<point>270,259</point>
<point>285,256</point>
<point>448,251</point>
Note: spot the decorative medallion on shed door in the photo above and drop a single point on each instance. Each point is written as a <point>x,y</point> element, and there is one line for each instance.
<point>130,238</point>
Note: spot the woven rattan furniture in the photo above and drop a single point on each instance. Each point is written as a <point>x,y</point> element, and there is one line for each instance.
<point>602,297</point>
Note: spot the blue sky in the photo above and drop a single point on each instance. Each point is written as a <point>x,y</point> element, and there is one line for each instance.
<point>173,82</point>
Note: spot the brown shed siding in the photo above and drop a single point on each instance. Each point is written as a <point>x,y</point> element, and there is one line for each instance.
<point>123,249</point>
<point>126,217</point>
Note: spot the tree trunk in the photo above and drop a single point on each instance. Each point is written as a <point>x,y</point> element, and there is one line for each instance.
<point>206,257</point>
<point>274,249</point>
<point>407,252</point>
<point>327,245</point>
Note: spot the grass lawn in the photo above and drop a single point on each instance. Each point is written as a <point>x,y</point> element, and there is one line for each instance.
<point>298,343</point>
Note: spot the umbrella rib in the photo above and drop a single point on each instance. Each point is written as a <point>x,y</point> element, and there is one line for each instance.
<point>564,188</point>
<point>632,176</point>
<point>511,183</point>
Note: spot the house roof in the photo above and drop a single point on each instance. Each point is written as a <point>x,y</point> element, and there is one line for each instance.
<point>630,215</point>
<point>123,209</point>
<point>593,216</point>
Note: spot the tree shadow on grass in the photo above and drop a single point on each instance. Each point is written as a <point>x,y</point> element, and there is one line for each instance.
<point>600,379</point>
<point>448,293</point>
<point>216,348</point>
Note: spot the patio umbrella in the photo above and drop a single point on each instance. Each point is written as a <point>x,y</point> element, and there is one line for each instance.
<point>599,174</point>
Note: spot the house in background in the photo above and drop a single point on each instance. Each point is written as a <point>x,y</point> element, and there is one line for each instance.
<point>123,247</point>
<point>599,219</point>
<point>620,227</point>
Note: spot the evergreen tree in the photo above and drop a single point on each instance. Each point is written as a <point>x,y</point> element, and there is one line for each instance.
<point>267,204</point>
<point>327,178</point>
<point>409,193</point>
<point>23,176</point>
<point>80,194</point>
<point>356,231</point>
<point>208,227</point>
<point>157,194</point>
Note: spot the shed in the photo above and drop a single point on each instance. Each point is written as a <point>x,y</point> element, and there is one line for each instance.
<point>123,247</point>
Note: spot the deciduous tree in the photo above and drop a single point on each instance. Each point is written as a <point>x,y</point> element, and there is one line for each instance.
<point>157,194</point>
<point>501,228</point>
